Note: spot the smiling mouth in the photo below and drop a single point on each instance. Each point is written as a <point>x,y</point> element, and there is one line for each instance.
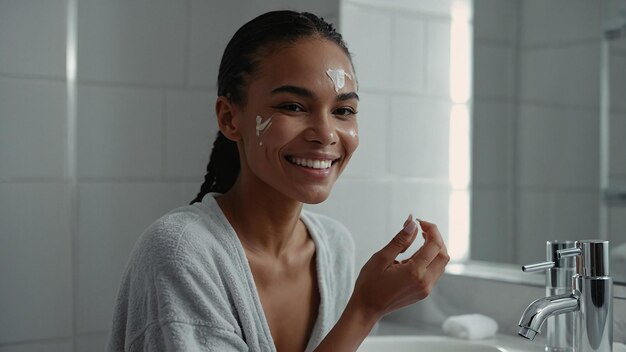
<point>311,163</point>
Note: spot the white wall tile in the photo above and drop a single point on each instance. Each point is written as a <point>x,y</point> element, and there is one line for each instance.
<point>91,342</point>
<point>426,7</point>
<point>32,37</point>
<point>212,26</point>
<point>617,79</point>
<point>141,41</point>
<point>362,206</point>
<point>370,158</point>
<point>618,46</point>
<point>326,8</point>
<point>619,318</point>
<point>617,140</point>
<point>370,44</point>
<point>557,147</point>
<point>35,262</point>
<point>426,201</point>
<point>544,216</point>
<point>190,129</point>
<point>214,23</point>
<point>491,231</point>
<point>119,132</point>
<point>191,189</point>
<point>496,20</point>
<point>534,226</point>
<point>32,128</point>
<point>494,71</point>
<point>419,137</point>
<point>491,144</point>
<point>576,215</point>
<point>617,243</point>
<point>112,216</point>
<point>565,75</point>
<point>64,345</point>
<point>408,54</point>
<point>438,58</point>
<point>617,226</point>
<point>559,21</point>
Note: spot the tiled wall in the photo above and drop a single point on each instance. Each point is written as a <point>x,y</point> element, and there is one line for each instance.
<point>401,55</point>
<point>146,81</point>
<point>536,127</point>
<point>536,140</point>
<point>494,129</point>
<point>617,173</point>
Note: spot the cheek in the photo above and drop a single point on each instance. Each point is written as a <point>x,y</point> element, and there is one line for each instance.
<point>274,131</point>
<point>351,137</point>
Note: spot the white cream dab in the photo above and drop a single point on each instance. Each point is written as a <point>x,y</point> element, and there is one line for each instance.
<point>338,76</point>
<point>262,126</point>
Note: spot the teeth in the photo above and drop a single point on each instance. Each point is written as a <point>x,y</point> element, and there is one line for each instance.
<point>314,164</point>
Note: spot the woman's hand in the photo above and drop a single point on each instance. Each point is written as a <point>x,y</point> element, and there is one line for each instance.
<point>385,284</point>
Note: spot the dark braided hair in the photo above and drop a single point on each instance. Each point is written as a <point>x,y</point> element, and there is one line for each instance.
<point>241,59</point>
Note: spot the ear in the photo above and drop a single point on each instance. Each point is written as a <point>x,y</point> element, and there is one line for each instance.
<point>228,118</point>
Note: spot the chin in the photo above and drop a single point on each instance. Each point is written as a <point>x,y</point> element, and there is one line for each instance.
<point>315,198</point>
<point>317,201</point>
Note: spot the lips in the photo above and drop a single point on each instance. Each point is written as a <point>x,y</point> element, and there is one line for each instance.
<point>311,163</point>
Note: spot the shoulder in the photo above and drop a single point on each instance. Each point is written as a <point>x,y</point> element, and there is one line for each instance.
<point>185,235</point>
<point>181,260</point>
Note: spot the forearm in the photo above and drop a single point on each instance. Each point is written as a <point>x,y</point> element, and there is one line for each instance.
<point>350,331</point>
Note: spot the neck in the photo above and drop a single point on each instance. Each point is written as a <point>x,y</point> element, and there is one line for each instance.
<point>265,221</point>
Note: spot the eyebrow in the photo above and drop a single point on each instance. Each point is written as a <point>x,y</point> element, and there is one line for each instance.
<point>308,94</point>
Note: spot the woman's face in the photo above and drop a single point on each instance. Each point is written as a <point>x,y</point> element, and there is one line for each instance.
<point>298,126</point>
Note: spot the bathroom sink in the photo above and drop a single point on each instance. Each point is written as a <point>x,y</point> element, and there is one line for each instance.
<point>424,344</point>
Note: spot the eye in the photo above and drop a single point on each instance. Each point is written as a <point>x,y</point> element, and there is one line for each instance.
<point>345,112</point>
<point>291,107</point>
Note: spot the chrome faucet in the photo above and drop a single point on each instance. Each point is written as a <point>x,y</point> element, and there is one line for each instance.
<point>557,328</point>
<point>590,302</point>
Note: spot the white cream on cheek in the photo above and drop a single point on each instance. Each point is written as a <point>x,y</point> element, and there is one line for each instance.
<point>338,77</point>
<point>262,127</point>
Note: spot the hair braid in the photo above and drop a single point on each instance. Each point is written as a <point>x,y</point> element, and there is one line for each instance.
<point>222,169</point>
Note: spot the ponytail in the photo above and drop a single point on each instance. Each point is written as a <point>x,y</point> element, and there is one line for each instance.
<point>222,169</point>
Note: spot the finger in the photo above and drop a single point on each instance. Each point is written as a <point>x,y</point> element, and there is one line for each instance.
<point>406,222</point>
<point>430,231</point>
<point>434,251</point>
<point>400,242</point>
<point>437,267</point>
<point>426,253</point>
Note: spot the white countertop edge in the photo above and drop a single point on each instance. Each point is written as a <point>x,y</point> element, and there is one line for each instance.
<point>506,342</point>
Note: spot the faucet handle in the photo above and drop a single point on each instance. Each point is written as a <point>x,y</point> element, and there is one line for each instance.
<point>569,252</point>
<point>553,260</point>
<point>537,267</point>
<point>592,257</point>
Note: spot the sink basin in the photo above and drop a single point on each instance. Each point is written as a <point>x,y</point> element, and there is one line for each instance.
<point>424,344</point>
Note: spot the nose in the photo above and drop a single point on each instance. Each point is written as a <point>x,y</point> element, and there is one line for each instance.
<point>321,129</point>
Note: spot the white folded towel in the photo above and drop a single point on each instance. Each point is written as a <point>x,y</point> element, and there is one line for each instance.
<point>470,326</point>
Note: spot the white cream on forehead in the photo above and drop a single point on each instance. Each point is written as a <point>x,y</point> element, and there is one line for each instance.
<point>338,76</point>
<point>262,126</point>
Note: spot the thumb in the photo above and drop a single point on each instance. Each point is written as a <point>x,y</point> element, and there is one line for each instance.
<point>400,242</point>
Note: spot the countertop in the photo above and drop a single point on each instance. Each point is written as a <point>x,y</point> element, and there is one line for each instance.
<point>506,342</point>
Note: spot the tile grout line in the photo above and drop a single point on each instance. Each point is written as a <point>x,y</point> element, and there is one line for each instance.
<point>71,70</point>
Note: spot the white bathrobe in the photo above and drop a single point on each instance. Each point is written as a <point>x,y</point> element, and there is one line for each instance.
<point>188,285</point>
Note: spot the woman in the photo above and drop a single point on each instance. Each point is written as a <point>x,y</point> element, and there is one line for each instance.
<point>244,267</point>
